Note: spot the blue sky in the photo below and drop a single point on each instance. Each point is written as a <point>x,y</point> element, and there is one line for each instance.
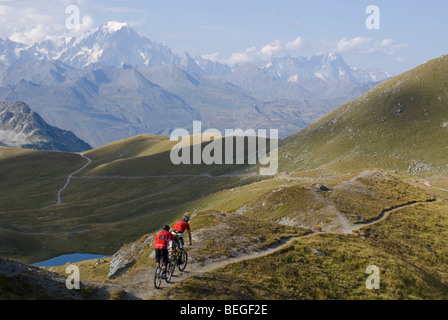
<point>411,32</point>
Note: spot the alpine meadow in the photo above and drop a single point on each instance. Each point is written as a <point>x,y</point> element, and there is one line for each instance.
<point>301,178</point>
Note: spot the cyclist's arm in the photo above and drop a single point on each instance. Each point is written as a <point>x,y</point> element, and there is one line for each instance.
<point>189,236</point>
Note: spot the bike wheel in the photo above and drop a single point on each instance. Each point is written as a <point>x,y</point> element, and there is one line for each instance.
<point>170,270</point>
<point>183,265</point>
<point>158,277</point>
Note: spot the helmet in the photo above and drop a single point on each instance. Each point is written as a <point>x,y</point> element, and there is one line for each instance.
<point>166,227</point>
<point>186,218</point>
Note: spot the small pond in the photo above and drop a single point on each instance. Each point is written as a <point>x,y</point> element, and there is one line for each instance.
<point>65,258</point>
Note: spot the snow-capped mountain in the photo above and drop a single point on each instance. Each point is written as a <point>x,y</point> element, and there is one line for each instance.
<point>112,44</point>
<point>327,68</point>
<point>11,51</point>
<point>111,83</point>
<point>20,127</point>
<point>326,75</point>
<point>115,44</point>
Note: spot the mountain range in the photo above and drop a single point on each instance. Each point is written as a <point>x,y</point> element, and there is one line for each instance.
<point>111,83</point>
<point>21,127</point>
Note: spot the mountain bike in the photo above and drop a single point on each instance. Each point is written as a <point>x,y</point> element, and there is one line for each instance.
<point>158,274</point>
<point>174,261</point>
<point>158,277</point>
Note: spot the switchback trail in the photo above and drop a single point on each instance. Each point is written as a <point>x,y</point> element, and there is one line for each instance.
<point>59,202</point>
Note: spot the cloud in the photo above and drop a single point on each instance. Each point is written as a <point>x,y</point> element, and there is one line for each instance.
<point>272,48</point>
<point>211,56</point>
<point>254,54</point>
<point>296,44</point>
<point>28,22</point>
<point>365,46</point>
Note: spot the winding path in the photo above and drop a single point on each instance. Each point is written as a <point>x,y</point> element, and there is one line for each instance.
<point>59,202</point>
<point>140,285</point>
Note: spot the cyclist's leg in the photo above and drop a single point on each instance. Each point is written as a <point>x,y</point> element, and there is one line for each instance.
<point>171,248</point>
<point>179,241</point>
<point>181,246</point>
<point>158,256</point>
<point>164,260</point>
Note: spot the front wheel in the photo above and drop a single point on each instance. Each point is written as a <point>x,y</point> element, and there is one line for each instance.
<point>170,270</point>
<point>184,261</point>
<point>158,277</point>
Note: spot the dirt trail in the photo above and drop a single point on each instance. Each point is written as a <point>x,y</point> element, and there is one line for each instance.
<point>69,178</point>
<point>140,285</point>
<point>426,183</point>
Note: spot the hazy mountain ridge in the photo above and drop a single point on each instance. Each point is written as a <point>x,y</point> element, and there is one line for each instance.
<point>111,83</point>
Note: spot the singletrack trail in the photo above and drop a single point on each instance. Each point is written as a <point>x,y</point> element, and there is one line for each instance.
<point>69,178</point>
<point>140,285</point>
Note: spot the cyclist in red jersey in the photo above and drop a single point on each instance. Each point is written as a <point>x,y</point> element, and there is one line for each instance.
<point>178,230</point>
<point>161,241</point>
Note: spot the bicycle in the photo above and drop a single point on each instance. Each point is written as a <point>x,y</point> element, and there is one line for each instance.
<point>174,261</point>
<point>158,275</point>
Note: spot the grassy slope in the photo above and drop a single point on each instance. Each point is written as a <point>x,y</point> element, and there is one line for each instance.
<point>397,126</point>
<point>117,199</point>
<point>31,179</point>
<point>359,198</point>
<point>410,249</point>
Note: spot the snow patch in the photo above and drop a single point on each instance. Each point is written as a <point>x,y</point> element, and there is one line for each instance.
<point>144,58</point>
<point>114,26</point>
<point>13,139</point>
<point>319,75</point>
<point>294,78</point>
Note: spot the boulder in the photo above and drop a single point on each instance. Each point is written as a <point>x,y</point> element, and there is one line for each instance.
<point>125,258</point>
<point>322,187</point>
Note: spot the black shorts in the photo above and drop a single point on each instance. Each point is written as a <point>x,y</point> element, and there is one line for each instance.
<point>162,254</point>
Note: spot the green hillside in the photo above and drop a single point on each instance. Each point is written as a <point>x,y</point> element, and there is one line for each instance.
<point>400,126</point>
<point>30,179</point>
<point>409,247</point>
<point>130,188</point>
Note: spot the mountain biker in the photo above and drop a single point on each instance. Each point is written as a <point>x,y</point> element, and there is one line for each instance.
<point>178,231</point>
<point>161,241</point>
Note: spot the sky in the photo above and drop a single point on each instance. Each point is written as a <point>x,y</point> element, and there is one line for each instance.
<point>406,33</point>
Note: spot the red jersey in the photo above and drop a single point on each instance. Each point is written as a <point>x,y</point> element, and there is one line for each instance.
<point>162,238</point>
<point>181,226</point>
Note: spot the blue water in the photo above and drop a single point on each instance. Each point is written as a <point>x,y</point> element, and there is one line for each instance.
<point>65,258</point>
